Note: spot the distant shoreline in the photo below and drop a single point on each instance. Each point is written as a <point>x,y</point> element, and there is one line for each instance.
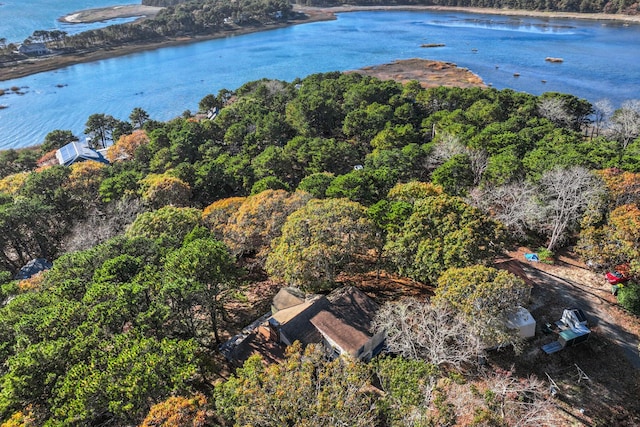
<point>312,14</point>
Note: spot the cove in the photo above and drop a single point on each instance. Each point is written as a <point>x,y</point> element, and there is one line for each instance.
<point>601,59</point>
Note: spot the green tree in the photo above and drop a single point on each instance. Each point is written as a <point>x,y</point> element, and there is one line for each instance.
<point>200,274</point>
<point>406,384</point>
<point>138,118</point>
<point>455,175</point>
<point>168,224</point>
<point>122,379</point>
<point>268,183</point>
<point>316,184</point>
<point>101,128</point>
<point>318,241</point>
<point>629,297</point>
<point>57,139</point>
<point>443,232</point>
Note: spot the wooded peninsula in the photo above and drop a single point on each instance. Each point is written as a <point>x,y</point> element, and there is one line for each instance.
<point>189,22</point>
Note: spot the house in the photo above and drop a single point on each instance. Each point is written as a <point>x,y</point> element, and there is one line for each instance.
<point>344,324</point>
<point>75,152</point>
<point>33,267</point>
<point>294,323</point>
<point>33,49</point>
<point>340,321</point>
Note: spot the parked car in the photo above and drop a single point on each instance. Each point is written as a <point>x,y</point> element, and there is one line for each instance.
<point>615,277</point>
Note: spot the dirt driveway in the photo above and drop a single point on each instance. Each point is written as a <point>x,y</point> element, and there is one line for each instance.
<point>599,380</point>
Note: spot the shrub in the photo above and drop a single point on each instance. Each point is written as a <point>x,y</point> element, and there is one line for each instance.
<point>629,297</point>
<point>545,255</point>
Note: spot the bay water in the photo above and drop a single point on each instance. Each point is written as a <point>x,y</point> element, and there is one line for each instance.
<point>601,59</point>
<point>20,18</point>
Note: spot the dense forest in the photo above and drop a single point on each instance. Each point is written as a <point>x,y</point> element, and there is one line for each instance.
<point>300,182</point>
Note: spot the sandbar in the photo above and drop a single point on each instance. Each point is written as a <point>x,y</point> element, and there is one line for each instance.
<point>107,13</point>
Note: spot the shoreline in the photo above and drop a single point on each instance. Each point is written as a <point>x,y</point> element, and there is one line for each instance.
<point>311,14</point>
<point>47,63</point>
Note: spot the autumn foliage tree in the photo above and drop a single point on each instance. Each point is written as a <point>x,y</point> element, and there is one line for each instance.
<point>259,219</point>
<point>125,147</point>
<point>178,411</point>
<point>169,224</point>
<point>304,390</point>
<point>217,214</point>
<point>615,242</point>
<point>84,181</point>
<point>162,190</point>
<point>11,184</point>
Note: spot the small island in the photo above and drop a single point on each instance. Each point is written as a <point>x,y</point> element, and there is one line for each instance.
<point>428,73</point>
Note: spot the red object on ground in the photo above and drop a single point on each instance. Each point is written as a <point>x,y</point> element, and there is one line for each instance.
<point>615,277</point>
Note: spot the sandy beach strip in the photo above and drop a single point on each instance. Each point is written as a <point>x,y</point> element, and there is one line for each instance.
<point>106,13</point>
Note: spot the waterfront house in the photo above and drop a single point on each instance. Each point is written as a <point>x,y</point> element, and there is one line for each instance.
<point>33,49</point>
<point>75,152</point>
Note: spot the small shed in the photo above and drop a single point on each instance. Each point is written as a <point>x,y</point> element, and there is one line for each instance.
<point>523,321</point>
<point>573,336</point>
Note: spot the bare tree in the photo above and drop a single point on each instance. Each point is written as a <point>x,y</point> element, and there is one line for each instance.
<point>515,205</point>
<point>419,330</point>
<point>554,109</point>
<point>450,146</point>
<point>103,225</point>
<point>566,194</point>
<point>602,111</point>
<point>625,125</point>
<point>522,402</point>
<point>447,146</point>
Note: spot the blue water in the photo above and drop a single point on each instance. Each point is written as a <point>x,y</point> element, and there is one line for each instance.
<point>20,18</point>
<point>601,60</point>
